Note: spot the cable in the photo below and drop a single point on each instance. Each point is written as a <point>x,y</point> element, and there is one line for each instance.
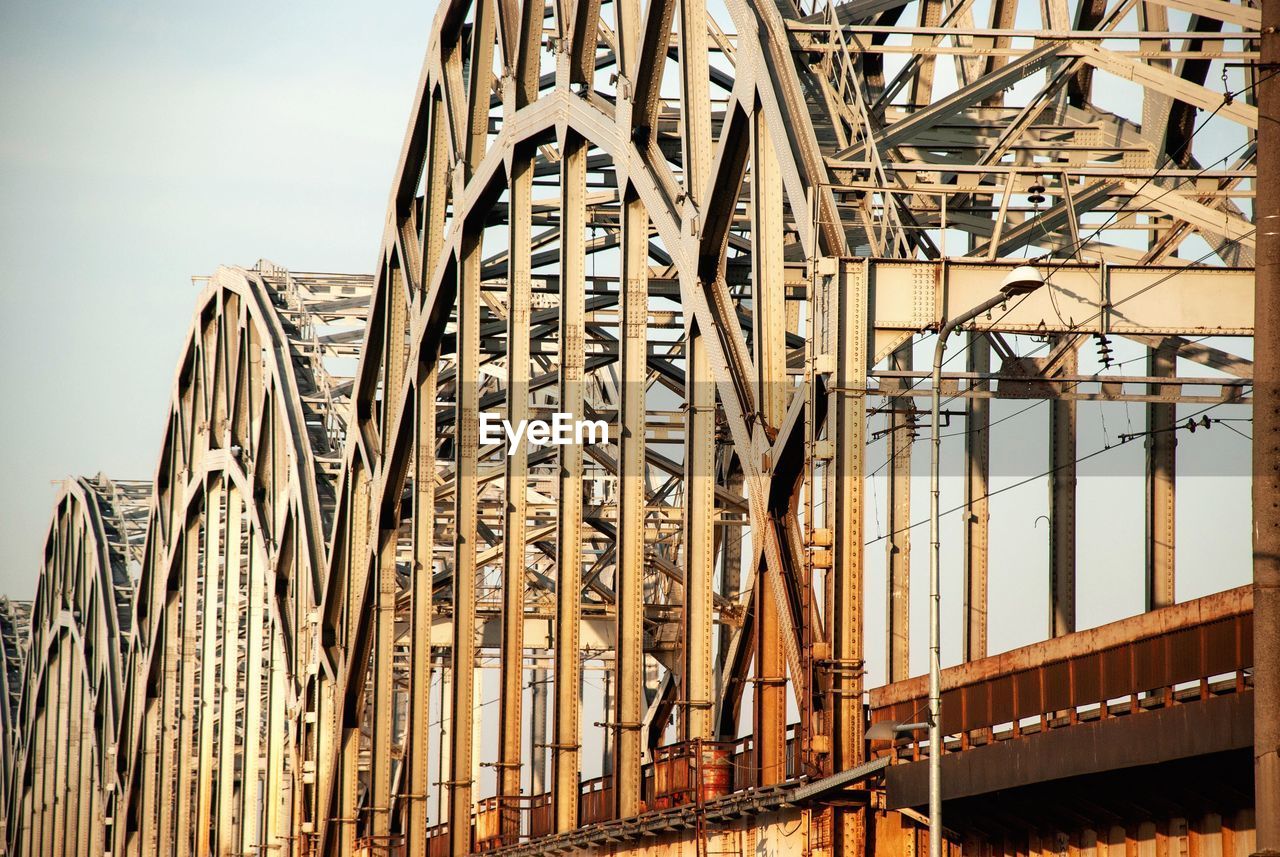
<point>1076,326</point>
<point>1083,242</point>
<point>1227,425</point>
<point>1097,376</point>
<point>1022,482</point>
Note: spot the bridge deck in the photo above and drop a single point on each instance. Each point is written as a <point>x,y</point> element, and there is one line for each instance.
<point>1165,685</point>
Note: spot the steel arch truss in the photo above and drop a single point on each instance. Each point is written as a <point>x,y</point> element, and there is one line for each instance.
<point>699,176</point>
<point>15,634</point>
<point>226,594</point>
<point>717,231</point>
<point>72,688</point>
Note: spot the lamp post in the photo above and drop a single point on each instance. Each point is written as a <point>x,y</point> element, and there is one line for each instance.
<point>1020,281</point>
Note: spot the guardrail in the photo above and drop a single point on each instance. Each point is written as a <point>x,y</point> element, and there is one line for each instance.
<point>1166,657</point>
<point>1171,656</point>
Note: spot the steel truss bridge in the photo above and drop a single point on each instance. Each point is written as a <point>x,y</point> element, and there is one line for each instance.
<point>336,623</point>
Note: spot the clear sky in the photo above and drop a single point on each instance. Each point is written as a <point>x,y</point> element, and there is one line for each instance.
<point>145,142</point>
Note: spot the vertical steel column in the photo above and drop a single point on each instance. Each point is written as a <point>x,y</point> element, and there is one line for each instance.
<point>232,558</point>
<point>1062,508</point>
<point>446,741</point>
<point>977,456</point>
<point>1162,443</point>
<point>768,287</point>
<point>187,695</point>
<point>538,731</point>
<point>898,544</point>
<point>381,715</point>
<point>168,717</point>
<point>608,704</point>
<point>629,586</point>
<point>62,693</point>
<point>70,797</point>
<point>348,788</point>
<point>514,523</point>
<point>424,520</point>
<point>770,338</point>
<point>700,399</point>
<point>695,118</point>
<point>252,836</point>
<point>347,730</point>
<point>212,576</point>
<point>628,712</point>
<point>699,541</point>
<point>846,421</point>
<point>568,669</point>
<point>148,800</point>
<point>382,723</point>
<point>395,297</point>
<point>435,192</point>
<point>87,826</point>
<point>76,727</point>
<point>273,799</point>
<point>466,451</point>
<point>769,710</point>
<point>1266,450</point>
<point>466,445</point>
<point>36,801</point>
<point>730,583</point>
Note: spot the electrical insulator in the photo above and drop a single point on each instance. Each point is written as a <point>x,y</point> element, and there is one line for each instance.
<point>1035,194</point>
<point>1104,351</point>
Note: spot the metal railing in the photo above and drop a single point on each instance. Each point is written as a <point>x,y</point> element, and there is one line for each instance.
<point>1170,656</point>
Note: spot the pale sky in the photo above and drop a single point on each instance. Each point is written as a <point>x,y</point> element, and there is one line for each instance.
<point>142,143</point>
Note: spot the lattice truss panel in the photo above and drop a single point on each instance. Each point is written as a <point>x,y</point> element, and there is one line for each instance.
<point>72,685</point>
<point>650,213</point>
<point>718,229</point>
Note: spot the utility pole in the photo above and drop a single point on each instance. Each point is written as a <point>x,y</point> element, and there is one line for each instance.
<point>1266,447</point>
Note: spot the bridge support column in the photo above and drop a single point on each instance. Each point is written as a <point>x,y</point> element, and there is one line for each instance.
<point>466,482</point>
<point>700,443</point>
<point>898,545</point>
<point>519,307</point>
<point>424,518</point>
<point>629,586</point>
<point>1162,442</point>
<point>769,304</point>
<point>568,665</point>
<point>1266,451</point>
<point>538,726</point>
<point>189,651</point>
<point>209,650</point>
<point>977,456</point>
<point>846,327</point>
<point>1062,509</point>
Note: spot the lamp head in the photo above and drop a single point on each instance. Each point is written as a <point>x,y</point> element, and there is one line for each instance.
<point>1022,280</point>
<point>885,730</point>
<point>888,730</point>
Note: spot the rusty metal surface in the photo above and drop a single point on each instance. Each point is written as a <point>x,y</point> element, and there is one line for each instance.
<point>1211,726</point>
<point>1208,637</point>
<point>1266,446</point>
<point>750,241</point>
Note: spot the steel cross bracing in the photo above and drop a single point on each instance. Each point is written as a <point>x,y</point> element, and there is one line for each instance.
<point>15,633</point>
<point>719,229</point>
<point>71,677</point>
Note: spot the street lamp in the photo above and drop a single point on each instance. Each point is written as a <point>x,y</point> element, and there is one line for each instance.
<point>888,730</point>
<point>1020,281</point>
